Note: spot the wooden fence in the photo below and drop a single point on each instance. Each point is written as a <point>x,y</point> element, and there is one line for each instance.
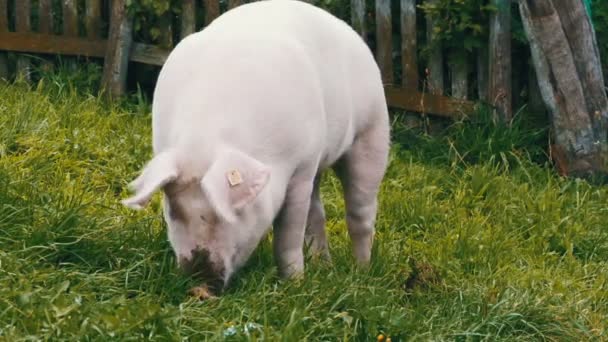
<point>102,29</point>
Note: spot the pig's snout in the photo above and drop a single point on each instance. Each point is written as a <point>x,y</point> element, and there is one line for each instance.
<point>202,266</point>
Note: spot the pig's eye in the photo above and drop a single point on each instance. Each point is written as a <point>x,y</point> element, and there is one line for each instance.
<point>204,219</point>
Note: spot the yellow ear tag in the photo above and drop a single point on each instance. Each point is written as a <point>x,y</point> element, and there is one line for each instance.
<point>234,178</point>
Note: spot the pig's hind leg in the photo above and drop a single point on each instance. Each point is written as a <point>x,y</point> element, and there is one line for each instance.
<point>361,171</point>
<point>315,237</point>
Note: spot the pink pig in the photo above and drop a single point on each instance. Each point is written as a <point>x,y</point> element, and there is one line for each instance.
<point>247,114</point>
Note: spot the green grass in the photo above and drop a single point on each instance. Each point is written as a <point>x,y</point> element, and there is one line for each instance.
<point>521,253</point>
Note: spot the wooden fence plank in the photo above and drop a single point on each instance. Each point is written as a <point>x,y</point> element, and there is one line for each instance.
<point>435,66</point>
<point>427,103</point>
<point>212,10</point>
<point>499,89</point>
<point>45,16</point>
<point>93,19</point>
<point>233,3</point>
<point>51,44</point>
<point>384,40</point>
<point>409,44</point>
<point>3,15</point>
<point>149,54</point>
<point>70,18</point>
<point>358,17</point>
<point>114,78</point>
<point>23,12</point>
<point>459,70</point>
<point>75,46</point>
<point>188,18</point>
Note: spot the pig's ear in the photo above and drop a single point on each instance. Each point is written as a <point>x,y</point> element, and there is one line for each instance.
<point>159,171</point>
<point>232,182</point>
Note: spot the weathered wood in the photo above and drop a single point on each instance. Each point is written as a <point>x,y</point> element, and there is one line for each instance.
<point>482,73</point>
<point>409,44</point>
<point>45,16</point>
<point>70,17</point>
<point>51,44</point>
<point>427,103</point>
<point>384,40</point>
<point>233,3</point>
<point>435,68</point>
<point>93,19</point>
<point>3,15</point>
<point>188,18</point>
<point>212,10</point>
<point>583,44</point>
<point>119,45</point>
<point>358,17</point>
<point>149,54</point>
<point>499,83</point>
<point>409,60</point>
<point>459,70</point>
<point>23,11</point>
<point>579,150</point>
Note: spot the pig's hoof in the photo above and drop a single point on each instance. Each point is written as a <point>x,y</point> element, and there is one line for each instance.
<point>201,293</point>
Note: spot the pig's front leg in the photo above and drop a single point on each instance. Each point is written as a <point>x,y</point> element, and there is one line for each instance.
<point>290,225</point>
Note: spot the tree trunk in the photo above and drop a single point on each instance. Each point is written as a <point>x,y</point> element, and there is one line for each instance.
<point>114,79</point>
<point>499,90</point>
<point>566,59</point>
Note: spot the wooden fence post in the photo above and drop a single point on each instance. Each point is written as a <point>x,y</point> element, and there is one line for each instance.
<point>435,66</point>
<point>23,24</point>
<point>119,44</point>
<point>459,69</point>
<point>384,40</point>
<point>233,3</point>
<point>45,17</point>
<point>357,13</point>
<point>45,26</point>
<point>188,18</point>
<point>70,18</point>
<point>3,28</point>
<point>212,10</point>
<point>409,60</point>
<point>409,44</point>
<point>499,91</point>
<point>93,19</point>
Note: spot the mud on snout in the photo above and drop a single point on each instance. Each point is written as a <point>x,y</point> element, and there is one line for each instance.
<point>202,267</point>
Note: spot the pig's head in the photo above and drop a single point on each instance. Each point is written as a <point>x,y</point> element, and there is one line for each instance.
<point>216,215</point>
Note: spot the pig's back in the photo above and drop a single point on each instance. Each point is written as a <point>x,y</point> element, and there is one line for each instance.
<point>296,43</point>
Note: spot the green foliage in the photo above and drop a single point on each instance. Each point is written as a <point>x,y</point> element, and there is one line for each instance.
<point>459,23</point>
<point>152,17</point>
<point>520,252</point>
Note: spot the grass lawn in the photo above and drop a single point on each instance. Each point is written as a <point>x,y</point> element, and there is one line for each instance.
<point>477,239</point>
